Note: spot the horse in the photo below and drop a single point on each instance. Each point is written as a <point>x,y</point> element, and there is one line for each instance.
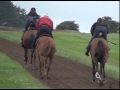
<point>99,53</point>
<point>28,40</point>
<point>45,49</point>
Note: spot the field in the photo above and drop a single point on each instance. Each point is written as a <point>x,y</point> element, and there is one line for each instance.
<point>72,46</point>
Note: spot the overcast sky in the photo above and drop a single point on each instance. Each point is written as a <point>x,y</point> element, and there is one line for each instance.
<point>84,13</point>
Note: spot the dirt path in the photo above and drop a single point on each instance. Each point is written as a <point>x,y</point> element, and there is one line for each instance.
<point>64,73</point>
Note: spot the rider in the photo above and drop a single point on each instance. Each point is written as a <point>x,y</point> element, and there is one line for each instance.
<point>99,26</point>
<point>44,24</point>
<point>32,17</point>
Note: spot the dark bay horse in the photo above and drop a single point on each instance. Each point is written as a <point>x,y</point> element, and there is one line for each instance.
<point>28,40</point>
<point>45,50</point>
<point>99,53</point>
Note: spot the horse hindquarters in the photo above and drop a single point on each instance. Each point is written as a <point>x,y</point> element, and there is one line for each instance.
<point>99,50</point>
<point>45,47</point>
<point>49,56</point>
<point>102,57</point>
<point>31,41</point>
<point>96,52</point>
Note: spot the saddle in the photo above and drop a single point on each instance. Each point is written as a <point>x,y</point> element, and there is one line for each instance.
<point>32,26</point>
<point>100,35</point>
<point>45,35</point>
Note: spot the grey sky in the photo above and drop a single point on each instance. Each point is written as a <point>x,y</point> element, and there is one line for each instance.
<point>85,13</point>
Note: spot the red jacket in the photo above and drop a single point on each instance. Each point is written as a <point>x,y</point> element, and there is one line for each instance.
<point>44,21</point>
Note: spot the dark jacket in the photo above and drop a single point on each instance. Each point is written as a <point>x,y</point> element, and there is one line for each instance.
<point>33,14</point>
<point>102,23</point>
<point>32,17</point>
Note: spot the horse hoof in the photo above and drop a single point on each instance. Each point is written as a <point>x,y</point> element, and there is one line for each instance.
<point>93,81</point>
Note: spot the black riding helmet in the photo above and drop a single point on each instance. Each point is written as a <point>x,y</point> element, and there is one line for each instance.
<point>99,19</point>
<point>33,9</point>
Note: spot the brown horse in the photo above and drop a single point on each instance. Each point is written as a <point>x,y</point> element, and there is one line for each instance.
<point>45,49</point>
<point>99,53</point>
<point>28,40</point>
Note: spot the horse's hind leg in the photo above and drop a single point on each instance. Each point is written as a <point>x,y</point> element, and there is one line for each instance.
<point>45,66</point>
<point>40,65</point>
<point>104,76</point>
<point>101,75</point>
<point>49,62</point>
<point>97,75</point>
<point>33,58</point>
<point>25,57</point>
<point>93,66</point>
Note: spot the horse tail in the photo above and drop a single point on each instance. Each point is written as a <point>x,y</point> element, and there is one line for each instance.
<point>99,50</point>
<point>47,49</point>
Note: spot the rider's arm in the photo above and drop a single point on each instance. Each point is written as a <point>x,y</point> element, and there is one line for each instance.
<point>37,16</point>
<point>92,28</point>
<point>52,25</point>
<point>37,24</point>
<point>108,28</point>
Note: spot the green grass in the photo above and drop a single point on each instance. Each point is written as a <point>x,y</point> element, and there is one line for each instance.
<point>10,35</point>
<point>14,76</point>
<point>72,45</point>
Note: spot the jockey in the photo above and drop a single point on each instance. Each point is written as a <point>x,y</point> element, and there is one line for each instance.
<point>97,27</point>
<point>44,24</point>
<point>31,20</point>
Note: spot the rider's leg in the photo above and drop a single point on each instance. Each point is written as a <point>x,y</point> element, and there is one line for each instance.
<point>26,28</point>
<point>104,33</point>
<point>95,34</point>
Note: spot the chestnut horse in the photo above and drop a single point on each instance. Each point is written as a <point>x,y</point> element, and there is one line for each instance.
<point>28,40</point>
<point>45,48</point>
<point>99,53</point>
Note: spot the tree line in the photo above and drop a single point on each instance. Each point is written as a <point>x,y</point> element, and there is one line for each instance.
<point>11,15</point>
<point>15,16</point>
<point>71,25</point>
